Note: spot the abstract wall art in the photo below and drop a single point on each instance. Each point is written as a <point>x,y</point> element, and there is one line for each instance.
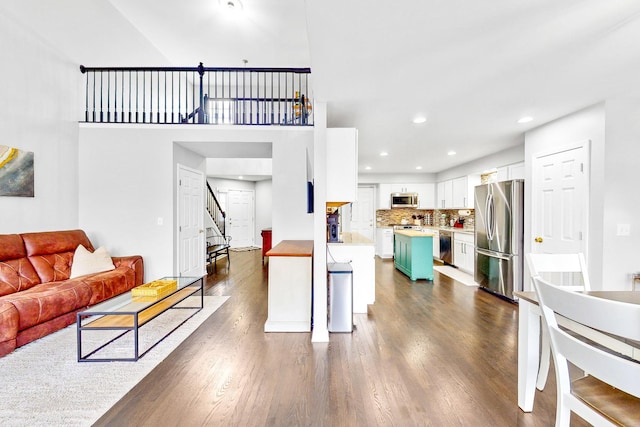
<point>16,172</point>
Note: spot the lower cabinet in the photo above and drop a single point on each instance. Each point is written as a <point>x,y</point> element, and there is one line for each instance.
<point>414,256</point>
<point>463,245</point>
<point>384,242</point>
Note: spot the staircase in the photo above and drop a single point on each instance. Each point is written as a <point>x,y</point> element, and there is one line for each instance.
<point>218,242</point>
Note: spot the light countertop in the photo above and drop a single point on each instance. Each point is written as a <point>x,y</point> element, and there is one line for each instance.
<point>349,238</point>
<point>434,227</point>
<point>414,233</point>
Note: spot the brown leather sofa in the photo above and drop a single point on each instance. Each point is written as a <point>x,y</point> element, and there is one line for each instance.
<point>36,295</point>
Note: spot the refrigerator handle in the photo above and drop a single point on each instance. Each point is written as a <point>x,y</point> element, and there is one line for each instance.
<point>493,254</point>
<point>489,214</point>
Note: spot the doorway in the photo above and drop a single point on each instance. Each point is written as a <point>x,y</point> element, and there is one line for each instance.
<point>240,217</point>
<point>191,236</point>
<point>560,200</point>
<point>363,213</point>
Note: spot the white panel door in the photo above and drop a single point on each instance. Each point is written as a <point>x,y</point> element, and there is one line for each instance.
<point>191,236</point>
<point>240,218</point>
<point>560,202</point>
<point>363,213</point>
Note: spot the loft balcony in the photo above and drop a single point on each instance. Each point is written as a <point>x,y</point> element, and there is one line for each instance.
<point>198,95</point>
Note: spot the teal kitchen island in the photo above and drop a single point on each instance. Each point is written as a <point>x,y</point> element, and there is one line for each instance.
<point>413,253</point>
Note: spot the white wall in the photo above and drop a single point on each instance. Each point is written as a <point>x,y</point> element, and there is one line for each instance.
<point>40,106</point>
<point>621,194</point>
<point>128,181</point>
<point>290,188</point>
<point>219,184</point>
<point>587,124</point>
<point>396,178</point>
<point>264,208</point>
<point>495,160</point>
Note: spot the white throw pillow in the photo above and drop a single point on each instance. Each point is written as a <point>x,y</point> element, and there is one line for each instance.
<point>85,262</point>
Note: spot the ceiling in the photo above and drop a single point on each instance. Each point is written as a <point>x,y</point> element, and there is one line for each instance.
<point>471,68</point>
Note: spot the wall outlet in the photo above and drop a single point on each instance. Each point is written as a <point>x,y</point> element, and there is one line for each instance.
<point>160,220</point>
<point>624,229</point>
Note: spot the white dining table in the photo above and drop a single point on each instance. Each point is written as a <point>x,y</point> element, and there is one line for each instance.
<point>529,340</point>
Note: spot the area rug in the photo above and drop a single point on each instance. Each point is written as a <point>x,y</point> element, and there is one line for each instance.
<point>245,249</point>
<point>44,385</point>
<point>455,274</point>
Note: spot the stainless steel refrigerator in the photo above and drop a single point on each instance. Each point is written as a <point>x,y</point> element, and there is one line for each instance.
<point>499,228</point>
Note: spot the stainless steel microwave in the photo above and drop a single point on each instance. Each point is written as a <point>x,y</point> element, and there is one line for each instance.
<point>404,200</point>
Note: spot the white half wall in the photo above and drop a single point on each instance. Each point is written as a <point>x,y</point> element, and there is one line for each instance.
<point>128,192</point>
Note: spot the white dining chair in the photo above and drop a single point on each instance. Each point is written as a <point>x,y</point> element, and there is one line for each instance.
<point>567,270</point>
<point>610,394</point>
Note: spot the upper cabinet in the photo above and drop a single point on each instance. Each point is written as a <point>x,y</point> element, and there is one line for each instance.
<point>445,194</point>
<point>514,171</point>
<point>342,168</point>
<point>426,194</point>
<point>457,193</point>
<point>384,196</point>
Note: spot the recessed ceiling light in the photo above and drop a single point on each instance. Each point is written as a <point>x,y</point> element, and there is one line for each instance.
<point>418,167</point>
<point>419,120</point>
<point>384,153</point>
<point>240,177</point>
<point>451,153</point>
<point>367,168</point>
<point>526,119</point>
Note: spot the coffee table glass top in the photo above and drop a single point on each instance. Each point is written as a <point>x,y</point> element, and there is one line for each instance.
<point>128,304</point>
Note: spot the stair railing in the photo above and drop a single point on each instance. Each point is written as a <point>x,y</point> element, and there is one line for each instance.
<point>216,212</point>
<point>198,95</point>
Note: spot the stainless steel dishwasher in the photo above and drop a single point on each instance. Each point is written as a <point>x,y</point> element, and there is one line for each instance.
<point>446,246</point>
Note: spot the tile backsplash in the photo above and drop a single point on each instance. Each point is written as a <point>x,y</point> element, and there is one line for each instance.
<point>388,217</point>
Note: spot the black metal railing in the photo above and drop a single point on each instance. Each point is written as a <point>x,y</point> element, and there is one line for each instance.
<point>202,95</point>
<point>216,212</point>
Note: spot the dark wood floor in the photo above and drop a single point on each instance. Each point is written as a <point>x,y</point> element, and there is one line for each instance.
<point>440,354</point>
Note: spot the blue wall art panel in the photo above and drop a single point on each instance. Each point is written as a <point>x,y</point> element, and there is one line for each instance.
<point>16,172</point>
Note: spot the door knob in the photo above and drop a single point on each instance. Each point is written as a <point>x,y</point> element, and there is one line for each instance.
<point>538,239</point>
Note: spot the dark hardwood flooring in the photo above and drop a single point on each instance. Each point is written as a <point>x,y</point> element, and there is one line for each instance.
<point>426,354</point>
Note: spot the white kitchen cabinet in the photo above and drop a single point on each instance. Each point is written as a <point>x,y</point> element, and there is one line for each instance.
<point>514,171</point>
<point>445,194</point>
<point>384,242</point>
<point>436,242</point>
<point>427,196</point>
<point>384,196</point>
<point>457,193</point>
<point>463,247</point>
<point>406,188</point>
<point>342,170</point>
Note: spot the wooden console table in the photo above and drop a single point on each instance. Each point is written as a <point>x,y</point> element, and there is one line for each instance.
<point>290,279</point>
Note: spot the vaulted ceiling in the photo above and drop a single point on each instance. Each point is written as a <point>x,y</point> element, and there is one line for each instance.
<point>471,68</point>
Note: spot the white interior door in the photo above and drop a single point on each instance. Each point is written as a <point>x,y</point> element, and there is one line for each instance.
<point>560,201</point>
<point>191,236</point>
<point>363,213</point>
<point>240,218</point>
